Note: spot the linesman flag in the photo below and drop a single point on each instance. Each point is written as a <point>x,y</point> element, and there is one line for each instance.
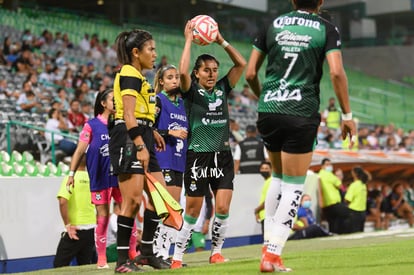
<point>165,205</point>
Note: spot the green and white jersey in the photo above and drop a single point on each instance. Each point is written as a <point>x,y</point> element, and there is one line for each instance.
<point>295,44</point>
<point>208,117</point>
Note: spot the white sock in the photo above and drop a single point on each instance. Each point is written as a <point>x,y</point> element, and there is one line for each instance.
<point>163,238</point>
<point>271,203</point>
<point>182,240</point>
<point>218,234</point>
<point>279,226</point>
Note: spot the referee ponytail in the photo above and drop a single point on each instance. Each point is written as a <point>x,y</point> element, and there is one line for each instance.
<point>126,41</point>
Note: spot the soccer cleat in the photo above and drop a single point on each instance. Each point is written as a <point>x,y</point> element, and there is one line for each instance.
<point>127,267</point>
<point>152,260</point>
<point>217,258</point>
<point>175,264</point>
<point>102,266</point>
<point>272,263</point>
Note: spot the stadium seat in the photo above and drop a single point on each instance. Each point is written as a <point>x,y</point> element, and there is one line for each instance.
<point>6,170</point>
<point>5,157</point>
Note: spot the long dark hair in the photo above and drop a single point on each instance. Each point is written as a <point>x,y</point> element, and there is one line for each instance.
<point>199,61</point>
<point>305,4</point>
<point>101,97</point>
<point>126,41</point>
<point>360,174</point>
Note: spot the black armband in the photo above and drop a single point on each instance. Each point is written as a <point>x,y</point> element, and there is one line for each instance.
<point>135,131</point>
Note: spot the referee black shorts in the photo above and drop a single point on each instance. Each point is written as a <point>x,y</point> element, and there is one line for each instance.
<point>290,134</point>
<point>123,153</point>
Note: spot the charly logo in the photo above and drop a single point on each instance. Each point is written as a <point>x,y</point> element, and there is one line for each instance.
<point>104,150</point>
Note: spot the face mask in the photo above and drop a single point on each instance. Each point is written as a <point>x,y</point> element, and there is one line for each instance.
<point>265,175</point>
<point>321,136</point>
<point>329,168</point>
<point>306,204</point>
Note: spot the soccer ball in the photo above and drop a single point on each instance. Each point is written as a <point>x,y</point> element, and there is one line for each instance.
<point>205,30</point>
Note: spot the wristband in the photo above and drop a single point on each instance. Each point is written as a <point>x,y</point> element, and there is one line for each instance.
<point>224,44</point>
<point>71,173</point>
<point>347,116</point>
<point>135,131</point>
<point>66,226</point>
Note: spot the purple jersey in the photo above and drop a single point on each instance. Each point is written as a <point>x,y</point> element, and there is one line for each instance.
<point>97,157</point>
<point>172,117</point>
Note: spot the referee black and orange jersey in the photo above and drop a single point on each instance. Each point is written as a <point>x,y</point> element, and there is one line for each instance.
<point>129,81</point>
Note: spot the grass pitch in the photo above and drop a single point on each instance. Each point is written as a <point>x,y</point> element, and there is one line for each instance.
<point>387,252</point>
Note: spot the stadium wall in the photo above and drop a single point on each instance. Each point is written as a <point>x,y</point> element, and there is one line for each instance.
<point>30,223</point>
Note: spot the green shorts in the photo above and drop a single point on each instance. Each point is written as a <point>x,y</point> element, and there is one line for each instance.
<point>198,239</point>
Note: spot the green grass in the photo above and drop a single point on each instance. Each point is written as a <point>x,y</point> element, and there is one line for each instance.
<point>368,253</point>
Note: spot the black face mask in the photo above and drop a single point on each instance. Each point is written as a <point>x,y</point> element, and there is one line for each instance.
<point>265,175</point>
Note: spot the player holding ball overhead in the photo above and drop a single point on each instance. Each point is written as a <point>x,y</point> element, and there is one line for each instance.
<point>209,159</point>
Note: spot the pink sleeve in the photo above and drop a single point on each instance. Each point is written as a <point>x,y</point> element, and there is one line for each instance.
<point>86,133</point>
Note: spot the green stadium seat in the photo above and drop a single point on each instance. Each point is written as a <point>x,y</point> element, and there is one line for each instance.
<point>6,170</point>
<point>19,170</point>
<point>31,169</point>
<point>5,157</point>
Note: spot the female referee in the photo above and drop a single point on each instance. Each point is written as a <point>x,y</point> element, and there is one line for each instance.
<point>131,145</point>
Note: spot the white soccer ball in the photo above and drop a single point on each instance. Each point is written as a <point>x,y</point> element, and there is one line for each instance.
<point>205,30</point>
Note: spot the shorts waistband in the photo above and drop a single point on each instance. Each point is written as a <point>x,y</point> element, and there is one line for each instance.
<point>140,121</point>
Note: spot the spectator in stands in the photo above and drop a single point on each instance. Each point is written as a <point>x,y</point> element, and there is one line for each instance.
<point>163,62</point>
<point>7,42</point>
<point>172,124</point>
<point>332,115</point>
<point>305,226</point>
<point>206,97</point>
<point>23,63</point>
<point>249,153</point>
<point>67,78</point>
<point>27,100</point>
<point>374,199</point>
<point>399,205</point>
<point>66,42</point>
<point>390,144</point>
<point>62,97</point>
<point>85,44</point>
<point>46,75</point>
<point>333,209</point>
<point>78,216</point>
<point>3,60</point>
<point>86,109</point>
<point>409,193</point>
<point>387,212</point>
<point>266,171</point>
<point>356,198</point>
<point>75,116</point>
<point>247,99</point>
<point>57,123</point>
<point>5,92</point>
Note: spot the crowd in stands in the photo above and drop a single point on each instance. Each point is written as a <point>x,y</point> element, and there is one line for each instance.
<point>36,76</point>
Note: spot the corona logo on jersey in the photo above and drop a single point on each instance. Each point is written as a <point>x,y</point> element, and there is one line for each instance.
<point>205,30</point>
